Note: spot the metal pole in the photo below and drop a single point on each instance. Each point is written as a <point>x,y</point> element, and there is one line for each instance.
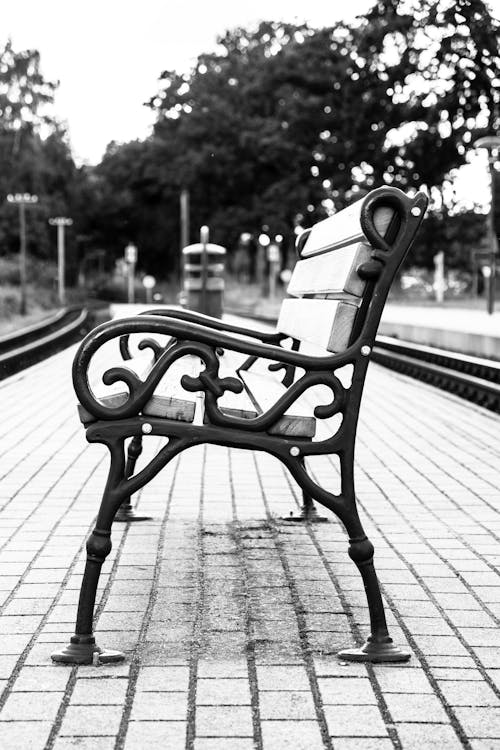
<point>22,257</point>
<point>60,264</point>
<point>493,239</point>
<point>184,218</point>
<point>204,268</point>
<point>131,275</point>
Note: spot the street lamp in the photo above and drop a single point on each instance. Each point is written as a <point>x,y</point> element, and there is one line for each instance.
<point>491,143</point>
<point>60,222</point>
<point>22,200</point>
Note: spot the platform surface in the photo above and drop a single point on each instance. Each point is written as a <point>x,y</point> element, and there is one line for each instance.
<point>230,616</point>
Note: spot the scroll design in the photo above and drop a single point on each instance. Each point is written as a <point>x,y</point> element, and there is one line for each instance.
<point>265,421</point>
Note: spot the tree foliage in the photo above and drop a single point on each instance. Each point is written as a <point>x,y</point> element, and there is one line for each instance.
<point>35,155</point>
<point>280,125</point>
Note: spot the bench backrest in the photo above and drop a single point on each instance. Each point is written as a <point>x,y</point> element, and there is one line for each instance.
<point>326,286</point>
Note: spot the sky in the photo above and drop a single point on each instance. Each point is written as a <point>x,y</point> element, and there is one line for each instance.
<point>108,55</point>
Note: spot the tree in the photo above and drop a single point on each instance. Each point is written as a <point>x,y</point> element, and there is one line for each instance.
<point>35,156</point>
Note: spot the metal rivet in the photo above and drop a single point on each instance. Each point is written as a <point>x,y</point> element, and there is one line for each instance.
<point>147,428</point>
<point>294,451</point>
<point>416,211</point>
<point>365,350</point>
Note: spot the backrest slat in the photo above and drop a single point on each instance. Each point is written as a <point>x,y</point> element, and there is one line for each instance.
<point>334,273</point>
<point>344,228</point>
<point>325,322</point>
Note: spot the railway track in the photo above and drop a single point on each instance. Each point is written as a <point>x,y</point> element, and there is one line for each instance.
<point>472,378</point>
<point>35,342</point>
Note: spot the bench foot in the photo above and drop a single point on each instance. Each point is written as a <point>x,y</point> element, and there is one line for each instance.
<point>375,652</point>
<point>309,514</point>
<point>127,514</point>
<point>83,650</point>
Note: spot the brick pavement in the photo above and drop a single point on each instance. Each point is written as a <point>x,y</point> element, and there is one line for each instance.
<point>230,616</point>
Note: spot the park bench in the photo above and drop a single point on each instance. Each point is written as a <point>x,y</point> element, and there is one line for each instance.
<point>294,392</point>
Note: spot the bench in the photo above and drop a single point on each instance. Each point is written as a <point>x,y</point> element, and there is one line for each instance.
<point>294,392</point>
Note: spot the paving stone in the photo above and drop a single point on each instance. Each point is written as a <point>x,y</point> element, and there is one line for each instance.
<point>222,668</point>
<point>84,743</point>
<point>224,721</point>
<point>346,690</point>
<point>406,707</point>
<point>159,707</point>
<point>418,736</point>
<point>480,721</point>
<point>31,706</point>
<point>473,693</point>
<point>354,721</point>
<point>277,735</point>
<point>91,721</point>
<point>163,679</point>
<point>155,734</point>
<point>28,735</point>
<point>369,743</point>
<point>107,691</point>
<point>223,743</point>
<point>283,704</point>
<point>42,679</point>
<point>287,677</point>
<point>222,692</point>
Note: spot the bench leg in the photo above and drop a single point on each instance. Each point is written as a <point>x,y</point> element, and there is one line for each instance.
<point>379,646</point>
<point>126,512</point>
<point>308,511</point>
<point>82,648</point>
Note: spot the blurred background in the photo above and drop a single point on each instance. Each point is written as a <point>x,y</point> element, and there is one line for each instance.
<point>149,122</point>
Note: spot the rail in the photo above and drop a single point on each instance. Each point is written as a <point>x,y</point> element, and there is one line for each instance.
<point>472,378</point>
<point>33,343</point>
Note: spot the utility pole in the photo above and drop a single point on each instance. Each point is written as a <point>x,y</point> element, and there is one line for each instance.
<point>184,218</point>
<point>131,260</point>
<point>22,200</point>
<point>492,144</point>
<point>61,222</point>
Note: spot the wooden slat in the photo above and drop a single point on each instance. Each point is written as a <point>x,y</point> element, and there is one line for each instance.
<point>234,404</point>
<point>343,229</point>
<point>325,322</point>
<point>170,400</point>
<point>116,394</point>
<point>332,273</point>
<point>298,421</point>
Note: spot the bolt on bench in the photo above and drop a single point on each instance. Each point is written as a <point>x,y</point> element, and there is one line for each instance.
<point>258,389</point>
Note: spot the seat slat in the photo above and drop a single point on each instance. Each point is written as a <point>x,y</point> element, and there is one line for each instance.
<point>334,273</point>
<point>169,400</point>
<point>325,322</point>
<point>298,421</point>
<point>344,228</point>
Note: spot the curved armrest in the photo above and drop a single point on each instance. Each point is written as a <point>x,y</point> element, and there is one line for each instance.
<point>216,324</point>
<point>198,340</point>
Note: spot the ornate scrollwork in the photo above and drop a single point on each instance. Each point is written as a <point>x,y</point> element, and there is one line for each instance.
<point>211,383</point>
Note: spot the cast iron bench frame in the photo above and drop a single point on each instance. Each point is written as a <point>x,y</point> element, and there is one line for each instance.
<point>204,337</point>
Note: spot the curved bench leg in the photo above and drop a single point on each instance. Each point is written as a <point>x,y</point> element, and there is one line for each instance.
<point>82,648</point>
<point>379,646</point>
<point>126,512</point>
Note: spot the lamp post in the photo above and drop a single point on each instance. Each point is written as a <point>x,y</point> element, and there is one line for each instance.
<point>22,200</point>
<point>491,143</point>
<point>60,222</point>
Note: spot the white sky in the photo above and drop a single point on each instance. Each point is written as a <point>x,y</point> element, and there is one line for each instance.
<point>108,54</point>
